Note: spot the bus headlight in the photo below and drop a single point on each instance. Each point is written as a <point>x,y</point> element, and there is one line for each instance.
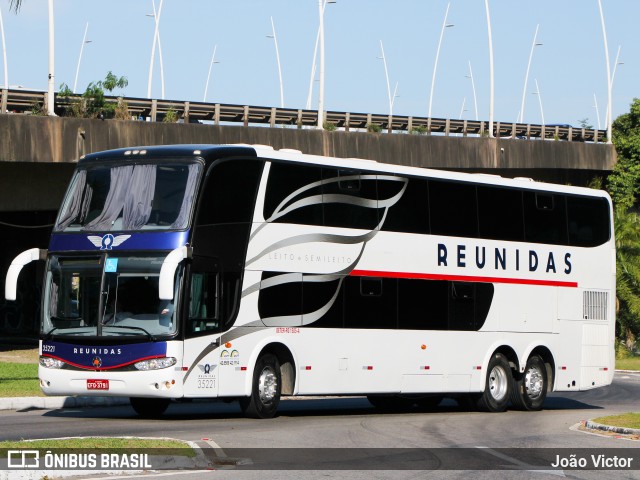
<point>155,363</point>
<point>49,362</point>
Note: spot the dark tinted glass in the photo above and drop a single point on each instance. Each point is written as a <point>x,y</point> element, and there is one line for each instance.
<point>589,223</point>
<point>350,199</point>
<point>452,208</point>
<point>545,218</point>
<point>284,204</point>
<point>229,192</point>
<point>500,214</point>
<point>371,302</point>
<point>410,214</point>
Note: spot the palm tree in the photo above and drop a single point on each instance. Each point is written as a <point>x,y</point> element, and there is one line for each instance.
<point>627,228</point>
<point>15,5</point>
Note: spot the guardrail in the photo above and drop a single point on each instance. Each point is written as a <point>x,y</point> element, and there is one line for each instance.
<point>25,101</point>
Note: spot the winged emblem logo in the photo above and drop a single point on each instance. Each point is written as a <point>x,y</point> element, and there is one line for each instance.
<point>108,241</point>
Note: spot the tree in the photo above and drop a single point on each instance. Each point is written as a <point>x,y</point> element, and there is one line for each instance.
<point>93,103</point>
<point>624,182</point>
<point>627,227</point>
<point>624,187</point>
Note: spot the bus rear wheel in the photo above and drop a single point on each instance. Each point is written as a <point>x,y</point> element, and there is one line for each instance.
<point>149,407</point>
<point>498,385</point>
<point>265,389</point>
<point>530,387</point>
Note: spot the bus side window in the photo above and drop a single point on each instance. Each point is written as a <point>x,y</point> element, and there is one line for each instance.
<point>204,298</point>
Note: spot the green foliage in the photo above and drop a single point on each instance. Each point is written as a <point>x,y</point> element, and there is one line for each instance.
<point>111,82</point>
<point>624,182</point>
<point>92,103</point>
<point>627,228</point>
<point>624,187</point>
<point>330,126</point>
<point>374,128</point>
<point>171,116</point>
<point>419,130</point>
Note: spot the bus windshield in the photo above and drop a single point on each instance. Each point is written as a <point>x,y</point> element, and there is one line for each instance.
<point>106,296</point>
<point>129,197</point>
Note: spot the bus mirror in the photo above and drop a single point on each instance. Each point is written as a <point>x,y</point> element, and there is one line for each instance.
<point>11,282</point>
<point>168,271</point>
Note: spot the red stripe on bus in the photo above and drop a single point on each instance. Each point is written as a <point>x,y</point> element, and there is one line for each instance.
<point>462,278</point>
<point>90,367</point>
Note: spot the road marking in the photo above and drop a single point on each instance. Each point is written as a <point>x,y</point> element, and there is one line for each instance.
<point>149,475</point>
<point>526,466</point>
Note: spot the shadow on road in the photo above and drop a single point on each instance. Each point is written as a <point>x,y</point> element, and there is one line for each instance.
<point>314,407</point>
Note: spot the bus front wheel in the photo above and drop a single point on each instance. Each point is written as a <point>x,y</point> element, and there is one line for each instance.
<point>530,387</point>
<point>265,389</point>
<point>498,385</point>
<point>149,407</point>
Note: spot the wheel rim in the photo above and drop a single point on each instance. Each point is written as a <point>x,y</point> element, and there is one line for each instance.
<point>498,383</point>
<point>533,383</point>
<point>267,385</point>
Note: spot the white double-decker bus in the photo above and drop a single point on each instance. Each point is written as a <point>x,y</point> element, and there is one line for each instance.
<point>242,272</point>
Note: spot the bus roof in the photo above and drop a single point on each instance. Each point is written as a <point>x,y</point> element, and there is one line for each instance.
<point>213,152</point>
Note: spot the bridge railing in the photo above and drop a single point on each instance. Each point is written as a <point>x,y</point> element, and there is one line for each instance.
<point>26,101</point>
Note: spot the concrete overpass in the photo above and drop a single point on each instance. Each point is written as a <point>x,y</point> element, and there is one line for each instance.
<point>38,155</point>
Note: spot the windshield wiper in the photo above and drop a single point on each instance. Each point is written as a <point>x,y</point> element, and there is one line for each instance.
<point>47,336</point>
<point>151,337</point>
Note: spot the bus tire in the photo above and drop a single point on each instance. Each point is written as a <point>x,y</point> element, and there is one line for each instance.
<point>498,385</point>
<point>149,407</point>
<point>530,387</point>
<point>265,389</point>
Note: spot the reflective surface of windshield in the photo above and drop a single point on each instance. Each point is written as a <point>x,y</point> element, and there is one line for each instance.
<point>106,296</point>
<point>129,197</point>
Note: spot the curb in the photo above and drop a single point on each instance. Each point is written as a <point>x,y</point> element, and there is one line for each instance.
<point>609,428</point>
<point>35,403</point>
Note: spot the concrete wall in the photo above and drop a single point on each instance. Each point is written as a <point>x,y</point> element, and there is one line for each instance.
<point>25,138</point>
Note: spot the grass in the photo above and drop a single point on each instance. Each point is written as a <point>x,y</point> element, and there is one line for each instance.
<point>19,380</point>
<point>626,420</point>
<point>176,447</point>
<point>630,363</point>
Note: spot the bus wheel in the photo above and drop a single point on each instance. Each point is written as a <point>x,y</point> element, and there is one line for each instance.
<point>497,386</point>
<point>265,389</point>
<point>149,407</point>
<point>530,387</point>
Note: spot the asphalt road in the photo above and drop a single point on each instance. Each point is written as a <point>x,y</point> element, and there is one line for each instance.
<point>387,443</point>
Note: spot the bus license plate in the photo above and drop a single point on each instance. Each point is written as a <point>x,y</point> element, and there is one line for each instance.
<point>97,384</point>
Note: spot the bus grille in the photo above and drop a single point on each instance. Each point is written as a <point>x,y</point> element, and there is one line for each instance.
<point>594,305</point>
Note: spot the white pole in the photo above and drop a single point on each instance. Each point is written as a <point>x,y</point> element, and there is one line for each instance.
<point>491,96</point>
<point>213,60</point>
<point>161,64</point>
<point>606,56</point>
<point>540,101</point>
<point>275,41</point>
<point>4,54</point>
<point>464,101</point>
<point>526,77</point>
<point>321,87</point>
<point>84,40</point>
<point>313,70</point>
<point>386,74</point>
<point>51,83</point>
<point>595,104</point>
<point>153,48</point>
<point>613,74</point>
<point>473,86</point>
<point>435,66</point>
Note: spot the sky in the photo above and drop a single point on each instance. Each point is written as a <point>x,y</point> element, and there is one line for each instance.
<point>569,67</point>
